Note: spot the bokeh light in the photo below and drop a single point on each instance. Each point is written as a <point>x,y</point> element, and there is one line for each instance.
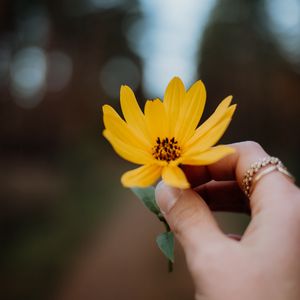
<point>28,74</point>
<point>286,29</point>
<point>165,40</point>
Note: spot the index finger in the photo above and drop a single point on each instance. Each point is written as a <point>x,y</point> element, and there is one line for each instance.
<point>234,166</point>
<point>231,167</point>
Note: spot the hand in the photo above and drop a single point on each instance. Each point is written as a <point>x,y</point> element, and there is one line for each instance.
<point>265,263</point>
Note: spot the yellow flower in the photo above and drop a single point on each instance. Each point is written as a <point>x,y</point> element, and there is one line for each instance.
<point>165,135</point>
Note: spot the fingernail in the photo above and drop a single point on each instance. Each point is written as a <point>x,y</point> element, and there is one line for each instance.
<point>166,197</point>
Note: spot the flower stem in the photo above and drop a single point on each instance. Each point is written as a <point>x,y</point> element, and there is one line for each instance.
<point>166,226</point>
<point>170,266</point>
<point>168,229</point>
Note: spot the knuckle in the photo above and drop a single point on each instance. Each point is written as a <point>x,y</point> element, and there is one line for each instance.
<point>253,145</point>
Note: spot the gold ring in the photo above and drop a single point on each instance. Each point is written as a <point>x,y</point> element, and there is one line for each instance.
<point>261,168</point>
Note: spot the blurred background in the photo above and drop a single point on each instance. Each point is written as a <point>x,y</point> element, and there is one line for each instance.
<point>69,230</point>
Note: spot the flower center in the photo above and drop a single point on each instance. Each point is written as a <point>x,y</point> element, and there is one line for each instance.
<point>166,149</point>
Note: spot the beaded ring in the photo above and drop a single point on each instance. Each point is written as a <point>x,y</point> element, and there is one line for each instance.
<point>256,172</point>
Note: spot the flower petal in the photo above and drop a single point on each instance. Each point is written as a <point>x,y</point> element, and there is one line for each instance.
<point>173,100</point>
<point>229,112</point>
<point>156,119</point>
<point>174,176</point>
<point>131,111</point>
<point>142,176</point>
<point>209,156</point>
<point>120,129</point>
<point>216,117</point>
<point>128,152</point>
<point>208,140</point>
<point>191,111</point>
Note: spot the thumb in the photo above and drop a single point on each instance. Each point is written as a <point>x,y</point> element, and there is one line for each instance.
<point>189,218</point>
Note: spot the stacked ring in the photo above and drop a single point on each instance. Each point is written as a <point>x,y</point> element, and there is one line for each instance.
<point>261,168</point>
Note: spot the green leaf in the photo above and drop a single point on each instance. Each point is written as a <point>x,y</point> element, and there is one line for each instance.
<point>147,196</point>
<point>165,242</point>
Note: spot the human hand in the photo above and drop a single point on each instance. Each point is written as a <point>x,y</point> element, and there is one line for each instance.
<point>265,263</point>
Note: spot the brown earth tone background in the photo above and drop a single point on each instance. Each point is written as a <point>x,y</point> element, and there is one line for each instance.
<point>68,229</point>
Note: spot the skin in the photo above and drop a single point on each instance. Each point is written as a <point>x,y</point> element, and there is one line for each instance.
<point>264,263</point>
